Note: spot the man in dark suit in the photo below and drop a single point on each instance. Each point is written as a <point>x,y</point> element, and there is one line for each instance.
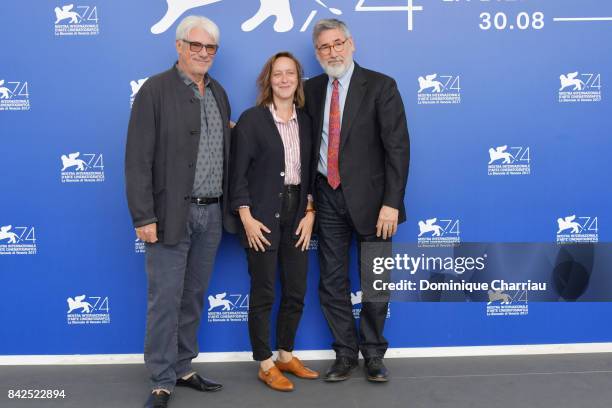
<point>176,172</point>
<point>362,155</point>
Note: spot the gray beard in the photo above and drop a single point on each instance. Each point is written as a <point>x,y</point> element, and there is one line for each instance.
<point>336,71</point>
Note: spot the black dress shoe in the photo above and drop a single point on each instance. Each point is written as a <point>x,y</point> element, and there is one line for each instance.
<point>199,383</point>
<point>341,369</point>
<point>376,370</point>
<point>157,400</point>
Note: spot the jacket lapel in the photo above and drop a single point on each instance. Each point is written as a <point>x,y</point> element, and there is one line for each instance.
<point>185,93</point>
<point>322,94</point>
<point>187,106</point>
<point>304,143</point>
<point>319,111</point>
<point>354,97</point>
<point>278,140</point>
<point>214,87</point>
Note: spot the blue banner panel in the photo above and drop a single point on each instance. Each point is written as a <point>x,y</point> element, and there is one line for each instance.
<point>508,109</point>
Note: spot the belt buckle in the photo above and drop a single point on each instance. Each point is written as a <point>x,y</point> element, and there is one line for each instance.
<point>200,201</point>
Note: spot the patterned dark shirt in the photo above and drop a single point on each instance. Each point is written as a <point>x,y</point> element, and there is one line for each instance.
<point>208,180</point>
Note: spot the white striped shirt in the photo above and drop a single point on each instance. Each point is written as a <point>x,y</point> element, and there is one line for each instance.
<point>290,135</point>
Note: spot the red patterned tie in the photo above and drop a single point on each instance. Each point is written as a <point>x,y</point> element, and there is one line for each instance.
<point>333,139</point>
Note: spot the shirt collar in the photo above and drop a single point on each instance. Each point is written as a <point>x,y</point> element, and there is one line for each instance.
<point>345,79</point>
<point>188,81</point>
<point>279,120</point>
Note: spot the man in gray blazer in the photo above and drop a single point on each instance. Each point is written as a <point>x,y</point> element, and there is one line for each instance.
<point>176,168</point>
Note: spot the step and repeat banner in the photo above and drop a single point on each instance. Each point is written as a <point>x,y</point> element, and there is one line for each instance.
<point>510,118</point>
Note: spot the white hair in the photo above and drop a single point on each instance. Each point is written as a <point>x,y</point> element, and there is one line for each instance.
<point>190,22</point>
<point>329,24</point>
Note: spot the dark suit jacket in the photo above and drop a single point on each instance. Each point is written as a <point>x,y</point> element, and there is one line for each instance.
<point>161,152</point>
<point>374,144</point>
<point>258,166</point>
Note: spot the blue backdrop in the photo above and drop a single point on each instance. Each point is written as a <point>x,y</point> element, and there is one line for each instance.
<point>509,118</point>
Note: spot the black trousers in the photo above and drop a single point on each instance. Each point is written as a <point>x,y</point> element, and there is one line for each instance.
<point>335,231</point>
<point>262,269</point>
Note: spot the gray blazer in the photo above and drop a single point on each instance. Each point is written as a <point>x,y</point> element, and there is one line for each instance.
<point>161,152</point>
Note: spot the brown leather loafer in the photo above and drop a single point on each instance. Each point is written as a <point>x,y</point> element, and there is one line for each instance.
<point>275,379</point>
<point>297,368</point>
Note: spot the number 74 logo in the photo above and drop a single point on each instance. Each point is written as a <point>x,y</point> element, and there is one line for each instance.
<point>13,88</point>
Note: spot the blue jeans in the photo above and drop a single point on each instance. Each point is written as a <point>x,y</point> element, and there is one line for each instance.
<point>178,277</point>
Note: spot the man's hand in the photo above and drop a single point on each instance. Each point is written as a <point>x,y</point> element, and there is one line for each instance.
<point>387,222</point>
<point>147,233</point>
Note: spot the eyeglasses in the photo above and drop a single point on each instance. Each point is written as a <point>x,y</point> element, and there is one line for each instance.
<point>326,49</point>
<point>194,46</point>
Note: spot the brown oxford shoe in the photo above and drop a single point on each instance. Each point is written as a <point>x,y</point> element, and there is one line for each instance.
<point>295,367</point>
<point>275,379</point>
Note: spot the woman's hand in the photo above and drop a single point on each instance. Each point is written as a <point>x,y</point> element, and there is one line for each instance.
<point>253,229</point>
<point>304,230</point>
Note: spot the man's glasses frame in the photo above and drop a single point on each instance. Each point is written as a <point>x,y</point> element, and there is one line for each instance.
<point>326,49</point>
<point>194,46</point>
